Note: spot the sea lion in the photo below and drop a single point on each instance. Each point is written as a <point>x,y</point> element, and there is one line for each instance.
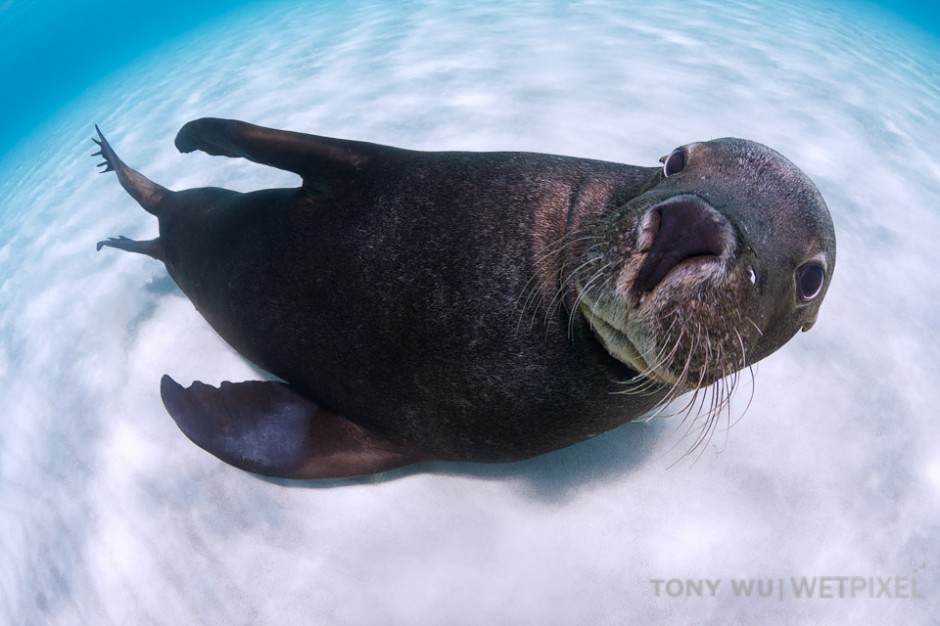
<point>474,306</point>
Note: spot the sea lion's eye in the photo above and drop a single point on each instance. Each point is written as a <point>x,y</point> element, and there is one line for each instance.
<point>674,163</point>
<point>810,279</point>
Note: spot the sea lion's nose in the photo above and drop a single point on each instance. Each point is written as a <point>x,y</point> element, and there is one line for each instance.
<point>686,229</point>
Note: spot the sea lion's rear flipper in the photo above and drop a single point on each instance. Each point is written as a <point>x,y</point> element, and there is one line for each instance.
<point>151,247</point>
<point>318,160</point>
<point>267,428</point>
<point>148,194</point>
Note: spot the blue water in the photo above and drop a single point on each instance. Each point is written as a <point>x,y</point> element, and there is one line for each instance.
<point>50,52</point>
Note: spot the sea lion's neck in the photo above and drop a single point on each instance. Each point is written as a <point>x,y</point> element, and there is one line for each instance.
<point>570,229</point>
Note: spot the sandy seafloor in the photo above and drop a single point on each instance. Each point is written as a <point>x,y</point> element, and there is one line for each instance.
<point>109,515</point>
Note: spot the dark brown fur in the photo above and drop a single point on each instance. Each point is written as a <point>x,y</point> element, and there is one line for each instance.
<point>429,298</point>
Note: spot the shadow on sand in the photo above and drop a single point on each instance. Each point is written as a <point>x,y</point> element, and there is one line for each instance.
<point>551,477</point>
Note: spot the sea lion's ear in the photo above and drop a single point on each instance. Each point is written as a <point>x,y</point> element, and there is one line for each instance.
<point>267,428</point>
<point>321,161</point>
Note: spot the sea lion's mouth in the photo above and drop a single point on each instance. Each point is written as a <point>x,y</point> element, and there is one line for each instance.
<point>666,310</point>
<point>619,345</point>
<point>684,230</point>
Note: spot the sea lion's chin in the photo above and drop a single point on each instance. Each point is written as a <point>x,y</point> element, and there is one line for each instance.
<point>620,346</point>
<point>686,334</point>
<point>628,344</point>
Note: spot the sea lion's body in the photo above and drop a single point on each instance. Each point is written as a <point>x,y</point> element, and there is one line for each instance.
<point>428,304</point>
<point>403,305</point>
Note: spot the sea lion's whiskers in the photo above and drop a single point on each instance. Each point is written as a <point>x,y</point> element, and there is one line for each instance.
<point>720,393</point>
<point>760,333</point>
<point>556,248</point>
<point>584,291</point>
<point>564,287</point>
<point>531,295</point>
<point>694,409</point>
<point>743,365</point>
<point>677,388</point>
<point>663,359</point>
<point>649,382</point>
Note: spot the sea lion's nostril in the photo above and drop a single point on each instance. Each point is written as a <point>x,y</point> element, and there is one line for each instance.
<point>688,229</point>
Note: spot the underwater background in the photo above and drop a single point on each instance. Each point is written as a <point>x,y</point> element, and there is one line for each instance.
<point>830,472</point>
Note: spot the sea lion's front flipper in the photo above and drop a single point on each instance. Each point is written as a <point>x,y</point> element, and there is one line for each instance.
<point>318,160</point>
<point>267,428</point>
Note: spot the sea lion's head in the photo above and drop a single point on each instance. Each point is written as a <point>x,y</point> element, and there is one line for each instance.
<point>724,257</point>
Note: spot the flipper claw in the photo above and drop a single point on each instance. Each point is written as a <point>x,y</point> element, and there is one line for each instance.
<point>152,248</point>
<point>105,152</point>
<point>147,193</point>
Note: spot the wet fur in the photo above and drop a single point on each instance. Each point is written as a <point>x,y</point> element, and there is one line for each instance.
<point>439,305</point>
